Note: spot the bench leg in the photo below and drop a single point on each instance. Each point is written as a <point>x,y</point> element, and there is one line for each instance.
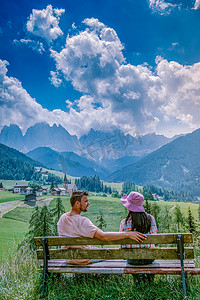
<point>46,257</point>
<point>44,289</point>
<point>180,247</point>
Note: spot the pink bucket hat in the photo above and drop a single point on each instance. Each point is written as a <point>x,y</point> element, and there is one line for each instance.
<point>134,202</point>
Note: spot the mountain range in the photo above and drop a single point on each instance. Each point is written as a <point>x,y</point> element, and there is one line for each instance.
<point>96,145</point>
<point>75,165</point>
<point>114,156</point>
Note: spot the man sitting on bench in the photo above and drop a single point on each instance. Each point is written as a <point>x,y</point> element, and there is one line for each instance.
<point>72,224</point>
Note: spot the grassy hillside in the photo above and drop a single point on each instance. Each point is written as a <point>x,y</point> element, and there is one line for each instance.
<point>20,278</point>
<point>6,196</point>
<point>14,224</point>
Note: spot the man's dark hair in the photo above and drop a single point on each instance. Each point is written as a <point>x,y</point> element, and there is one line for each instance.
<point>76,196</point>
<point>141,221</point>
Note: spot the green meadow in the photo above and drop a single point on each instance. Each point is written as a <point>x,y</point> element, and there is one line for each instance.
<point>14,224</point>
<point>21,279</point>
<point>6,196</point>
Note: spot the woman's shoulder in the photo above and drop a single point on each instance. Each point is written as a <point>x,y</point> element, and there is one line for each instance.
<point>123,221</point>
<point>153,220</point>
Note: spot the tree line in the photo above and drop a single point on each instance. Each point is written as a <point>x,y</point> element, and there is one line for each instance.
<point>92,184</point>
<point>166,194</point>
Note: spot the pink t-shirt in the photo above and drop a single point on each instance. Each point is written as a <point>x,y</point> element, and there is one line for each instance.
<point>72,224</point>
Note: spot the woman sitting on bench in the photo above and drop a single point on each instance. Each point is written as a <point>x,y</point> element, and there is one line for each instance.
<point>137,220</point>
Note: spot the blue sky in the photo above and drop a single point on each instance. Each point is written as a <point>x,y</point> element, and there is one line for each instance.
<point>126,64</point>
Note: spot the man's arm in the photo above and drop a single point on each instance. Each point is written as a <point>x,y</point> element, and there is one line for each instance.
<point>112,236</point>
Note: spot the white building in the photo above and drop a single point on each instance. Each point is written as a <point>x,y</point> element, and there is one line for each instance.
<point>20,188</point>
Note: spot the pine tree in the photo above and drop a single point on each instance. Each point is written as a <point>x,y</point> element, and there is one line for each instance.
<point>57,212</point>
<point>191,222</point>
<point>150,196</point>
<point>101,223</point>
<point>52,186</point>
<point>147,206</point>
<point>155,211</point>
<point>33,226</point>
<point>1,185</point>
<point>178,217</point>
<point>46,222</point>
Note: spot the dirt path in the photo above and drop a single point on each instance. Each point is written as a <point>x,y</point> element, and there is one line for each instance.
<point>8,206</point>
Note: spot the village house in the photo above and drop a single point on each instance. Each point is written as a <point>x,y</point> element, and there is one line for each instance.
<point>67,189</point>
<point>70,187</point>
<point>20,188</point>
<point>39,193</point>
<point>58,191</point>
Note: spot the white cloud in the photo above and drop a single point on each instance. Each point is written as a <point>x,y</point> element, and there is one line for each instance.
<point>55,80</point>
<point>45,23</point>
<point>18,107</point>
<point>148,99</point>
<point>34,45</point>
<point>197,4</point>
<point>161,7</point>
<point>165,99</point>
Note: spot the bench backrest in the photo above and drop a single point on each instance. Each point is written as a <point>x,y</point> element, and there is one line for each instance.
<point>164,252</point>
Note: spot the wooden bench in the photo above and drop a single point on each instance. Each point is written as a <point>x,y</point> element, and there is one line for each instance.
<point>174,259</point>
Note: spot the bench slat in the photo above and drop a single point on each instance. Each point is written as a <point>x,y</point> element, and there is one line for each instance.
<point>159,238</point>
<point>151,271</point>
<point>148,253</point>
<point>122,264</point>
<point>174,271</point>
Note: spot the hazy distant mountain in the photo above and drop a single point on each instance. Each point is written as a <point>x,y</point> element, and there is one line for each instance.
<point>55,137</point>
<point>11,136</point>
<point>39,135</point>
<point>96,145</point>
<point>174,164</point>
<point>113,145</point>
<point>112,165</point>
<point>67,162</point>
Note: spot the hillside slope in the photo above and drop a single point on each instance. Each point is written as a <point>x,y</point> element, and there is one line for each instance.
<point>174,165</point>
<point>15,165</point>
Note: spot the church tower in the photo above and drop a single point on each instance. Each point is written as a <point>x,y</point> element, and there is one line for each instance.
<point>65,184</point>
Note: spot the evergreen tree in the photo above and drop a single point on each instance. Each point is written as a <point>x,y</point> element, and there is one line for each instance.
<point>150,196</point>
<point>101,223</point>
<point>52,186</point>
<point>147,206</point>
<point>1,185</point>
<point>46,222</point>
<point>178,217</point>
<point>57,212</point>
<point>155,211</point>
<point>33,227</point>
<point>191,223</point>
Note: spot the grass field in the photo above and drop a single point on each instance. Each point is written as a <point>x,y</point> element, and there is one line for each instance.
<point>12,232</point>
<point>14,224</point>
<point>8,184</point>
<point>6,196</point>
<point>21,280</point>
